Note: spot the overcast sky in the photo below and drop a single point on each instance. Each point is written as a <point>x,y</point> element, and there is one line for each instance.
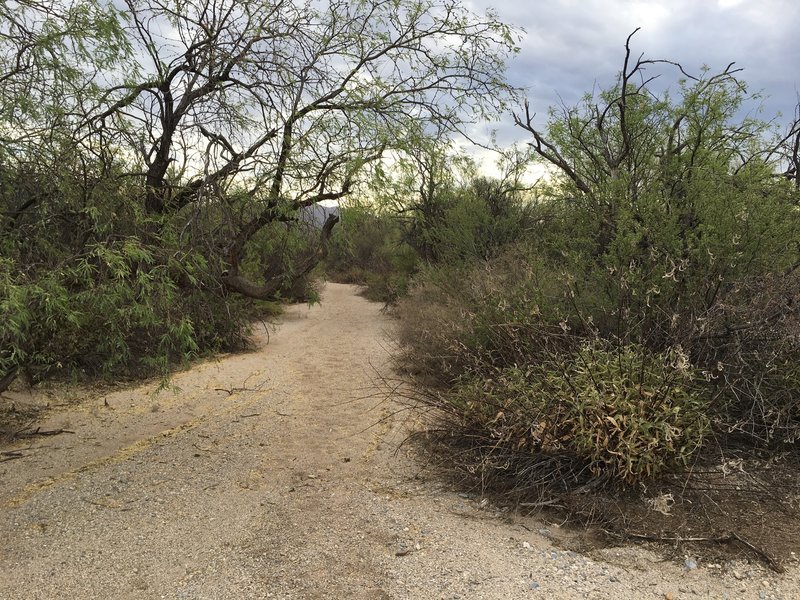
<point>571,45</point>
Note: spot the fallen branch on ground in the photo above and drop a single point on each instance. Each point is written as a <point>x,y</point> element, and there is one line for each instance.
<point>10,455</point>
<point>723,539</point>
<point>41,432</point>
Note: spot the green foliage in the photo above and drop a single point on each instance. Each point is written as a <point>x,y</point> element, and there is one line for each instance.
<point>277,251</point>
<point>646,304</point>
<point>367,249</point>
<point>119,308</point>
<point>473,318</point>
<point>91,286</point>
<point>383,249</point>
<point>522,372</point>
<point>621,413</point>
<point>471,227</point>
<point>664,245</point>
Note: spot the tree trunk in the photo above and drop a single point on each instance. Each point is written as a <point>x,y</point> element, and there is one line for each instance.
<point>235,282</point>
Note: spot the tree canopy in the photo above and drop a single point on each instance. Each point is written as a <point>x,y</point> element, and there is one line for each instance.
<point>154,143</point>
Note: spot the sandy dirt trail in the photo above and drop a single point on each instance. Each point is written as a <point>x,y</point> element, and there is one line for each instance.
<point>276,474</point>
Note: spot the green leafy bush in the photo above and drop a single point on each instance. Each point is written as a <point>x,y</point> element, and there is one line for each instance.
<point>277,251</point>
<point>476,225</point>
<point>121,308</point>
<point>467,318</point>
<point>648,303</point>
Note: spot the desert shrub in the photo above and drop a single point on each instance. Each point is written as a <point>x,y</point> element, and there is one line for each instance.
<point>662,238</point>
<point>523,377</point>
<point>91,286</point>
<point>506,342</point>
<point>470,222</point>
<point>119,308</point>
<point>616,414</point>
<point>356,244</point>
<point>383,247</point>
<point>749,343</point>
<point>278,250</point>
<point>490,314</point>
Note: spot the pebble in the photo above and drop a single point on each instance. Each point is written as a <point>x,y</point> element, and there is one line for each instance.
<point>690,564</point>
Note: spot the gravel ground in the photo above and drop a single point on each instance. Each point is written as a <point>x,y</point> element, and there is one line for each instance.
<point>277,474</point>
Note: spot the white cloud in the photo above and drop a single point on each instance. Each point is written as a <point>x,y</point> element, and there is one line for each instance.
<point>729,3</point>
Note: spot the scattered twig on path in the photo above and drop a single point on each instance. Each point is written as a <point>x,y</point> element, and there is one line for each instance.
<point>722,539</point>
<point>41,432</point>
<point>250,415</point>
<point>773,564</point>
<point>11,455</point>
<point>236,390</point>
<point>244,388</point>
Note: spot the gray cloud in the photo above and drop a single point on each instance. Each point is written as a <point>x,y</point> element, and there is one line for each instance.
<point>572,45</point>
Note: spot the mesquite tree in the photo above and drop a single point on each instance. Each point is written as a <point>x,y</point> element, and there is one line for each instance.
<point>291,100</point>
<point>682,190</point>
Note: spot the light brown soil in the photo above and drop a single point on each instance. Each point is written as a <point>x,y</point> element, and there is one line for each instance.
<point>280,474</point>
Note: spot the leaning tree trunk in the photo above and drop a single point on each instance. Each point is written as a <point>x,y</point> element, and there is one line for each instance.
<point>267,291</point>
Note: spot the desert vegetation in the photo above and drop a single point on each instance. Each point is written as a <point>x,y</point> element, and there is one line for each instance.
<point>630,315</point>
<point>156,158</point>
<point>634,314</point>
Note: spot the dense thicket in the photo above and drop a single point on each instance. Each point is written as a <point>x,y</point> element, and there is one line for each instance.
<point>383,245</point>
<point>649,312</point>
